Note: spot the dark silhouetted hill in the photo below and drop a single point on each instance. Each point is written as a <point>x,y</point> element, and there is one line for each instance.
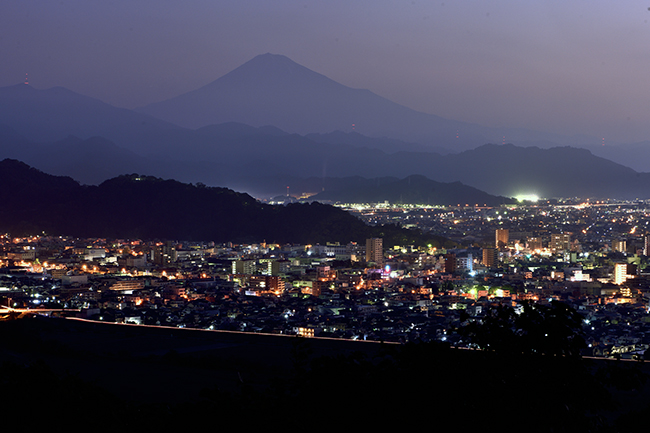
<point>414,189</point>
<point>557,172</point>
<point>133,206</point>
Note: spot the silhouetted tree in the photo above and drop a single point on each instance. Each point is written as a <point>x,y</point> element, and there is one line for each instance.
<point>554,329</point>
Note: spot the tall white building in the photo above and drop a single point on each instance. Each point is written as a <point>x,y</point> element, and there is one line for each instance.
<point>620,273</point>
<point>465,263</point>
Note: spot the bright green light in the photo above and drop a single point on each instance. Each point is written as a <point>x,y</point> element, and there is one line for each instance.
<point>527,197</point>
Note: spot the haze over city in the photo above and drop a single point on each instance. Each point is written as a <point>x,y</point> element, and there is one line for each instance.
<point>568,68</point>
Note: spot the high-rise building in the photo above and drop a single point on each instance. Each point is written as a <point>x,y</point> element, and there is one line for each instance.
<point>375,251</point>
<point>490,257</point>
<point>245,267</point>
<point>465,262</point>
<point>560,242</point>
<point>165,254</point>
<point>646,245</point>
<point>501,238</point>
<point>450,263</point>
<point>619,245</point>
<point>620,273</point>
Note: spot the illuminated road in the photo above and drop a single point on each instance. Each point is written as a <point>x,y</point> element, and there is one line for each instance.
<point>7,310</point>
<point>226,332</point>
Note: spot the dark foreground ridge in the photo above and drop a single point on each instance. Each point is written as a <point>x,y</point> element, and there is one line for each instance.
<point>112,376</point>
<point>145,207</point>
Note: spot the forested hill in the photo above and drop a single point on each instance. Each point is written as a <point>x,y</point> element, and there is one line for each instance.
<point>134,206</point>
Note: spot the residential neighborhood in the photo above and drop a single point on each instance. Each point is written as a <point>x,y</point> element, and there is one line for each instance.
<point>590,256</point>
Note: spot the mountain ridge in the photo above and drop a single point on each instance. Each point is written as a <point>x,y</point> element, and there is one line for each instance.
<point>147,207</point>
<point>246,90</point>
<point>264,161</point>
<point>273,89</point>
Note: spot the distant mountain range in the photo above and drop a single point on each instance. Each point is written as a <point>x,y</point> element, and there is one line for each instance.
<point>64,133</point>
<point>145,207</point>
<point>272,89</point>
<point>264,161</point>
<point>53,114</point>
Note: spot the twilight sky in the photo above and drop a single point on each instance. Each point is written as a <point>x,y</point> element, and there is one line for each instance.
<point>576,67</point>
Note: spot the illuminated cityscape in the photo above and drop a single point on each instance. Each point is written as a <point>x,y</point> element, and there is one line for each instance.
<point>385,215</point>
<point>569,251</point>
